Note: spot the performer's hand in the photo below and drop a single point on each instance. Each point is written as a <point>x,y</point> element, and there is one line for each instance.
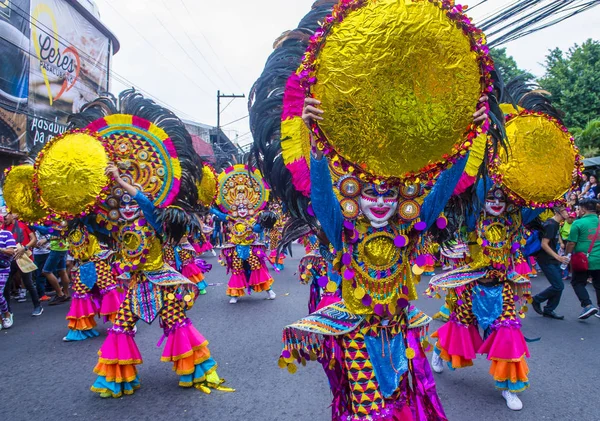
<point>481,114</point>
<point>311,112</point>
<point>112,170</point>
<point>20,252</point>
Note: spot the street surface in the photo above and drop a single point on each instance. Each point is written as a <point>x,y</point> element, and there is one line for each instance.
<point>43,378</point>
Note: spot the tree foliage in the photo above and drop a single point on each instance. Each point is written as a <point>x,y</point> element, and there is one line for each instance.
<point>588,138</point>
<point>507,65</point>
<point>573,78</point>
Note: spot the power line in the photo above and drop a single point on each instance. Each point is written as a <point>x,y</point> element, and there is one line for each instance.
<point>184,50</point>
<point>228,104</point>
<point>478,4</point>
<point>234,121</point>
<point>119,78</point>
<point>154,48</point>
<point>524,17</point>
<point>219,96</point>
<point>194,45</point>
<point>213,50</point>
<point>29,53</point>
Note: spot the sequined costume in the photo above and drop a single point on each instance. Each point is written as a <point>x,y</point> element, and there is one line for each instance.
<point>454,254</point>
<point>245,257</point>
<point>316,270</point>
<point>491,291</point>
<point>430,249</point>
<point>182,258</point>
<point>373,359</point>
<point>96,289</point>
<point>155,290</point>
<point>242,197</point>
<point>343,153</point>
<point>487,293</point>
<point>150,198</point>
<point>274,236</point>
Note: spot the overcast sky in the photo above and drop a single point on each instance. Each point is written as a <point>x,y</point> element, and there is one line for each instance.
<point>183,51</point>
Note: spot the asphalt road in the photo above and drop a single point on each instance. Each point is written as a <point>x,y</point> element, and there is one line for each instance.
<point>42,378</point>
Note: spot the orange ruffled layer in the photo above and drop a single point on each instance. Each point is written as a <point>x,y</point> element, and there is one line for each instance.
<point>264,286</point>
<point>110,317</point>
<point>512,371</point>
<point>236,292</point>
<point>196,278</point>
<point>82,323</point>
<point>456,360</point>
<point>116,372</point>
<point>187,364</point>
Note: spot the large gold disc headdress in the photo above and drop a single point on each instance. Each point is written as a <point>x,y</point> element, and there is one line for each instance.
<point>20,195</point>
<point>398,81</point>
<point>69,173</point>
<point>207,188</point>
<point>239,186</point>
<point>540,164</point>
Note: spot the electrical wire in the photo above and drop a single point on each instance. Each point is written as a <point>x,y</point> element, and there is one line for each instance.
<point>213,50</point>
<point>119,78</point>
<point>160,52</point>
<point>525,17</point>
<point>200,53</point>
<point>234,121</point>
<point>478,4</point>
<point>185,51</point>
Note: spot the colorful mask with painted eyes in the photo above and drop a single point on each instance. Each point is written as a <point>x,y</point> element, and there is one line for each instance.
<point>242,210</point>
<point>495,202</point>
<point>120,206</point>
<point>242,193</point>
<point>378,203</point>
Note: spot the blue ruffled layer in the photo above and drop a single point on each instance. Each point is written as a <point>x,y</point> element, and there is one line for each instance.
<point>199,373</point>
<point>81,335</point>
<point>516,387</point>
<point>202,285</point>
<point>113,389</point>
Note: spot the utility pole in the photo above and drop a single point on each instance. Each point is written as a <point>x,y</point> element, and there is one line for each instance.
<point>219,96</point>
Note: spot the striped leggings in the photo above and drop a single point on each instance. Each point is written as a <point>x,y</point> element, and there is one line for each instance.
<point>3,303</point>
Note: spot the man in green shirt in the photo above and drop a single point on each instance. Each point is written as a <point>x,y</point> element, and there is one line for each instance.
<point>580,238</point>
<point>57,262</point>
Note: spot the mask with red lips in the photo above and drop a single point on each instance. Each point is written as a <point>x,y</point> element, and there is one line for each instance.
<point>242,210</point>
<point>128,208</point>
<point>495,202</point>
<point>378,204</point>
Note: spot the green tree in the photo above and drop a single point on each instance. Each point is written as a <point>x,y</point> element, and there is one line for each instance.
<point>588,139</point>
<point>507,65</point>
<point>573,79</point>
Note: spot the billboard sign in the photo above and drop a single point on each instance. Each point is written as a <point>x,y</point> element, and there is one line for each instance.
<point>14,73</point>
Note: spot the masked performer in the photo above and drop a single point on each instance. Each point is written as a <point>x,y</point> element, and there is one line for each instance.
<point>207,195</point>
<point>274,235</point>
<point>454,254</point>
<point>141,201</point>
<point>316,267</point>
<point>488,292</point>
<point>242,196</point>
<point>361,169</point>
<point>96,289</point>
<point>182,257</point>
<point>429,248</point>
